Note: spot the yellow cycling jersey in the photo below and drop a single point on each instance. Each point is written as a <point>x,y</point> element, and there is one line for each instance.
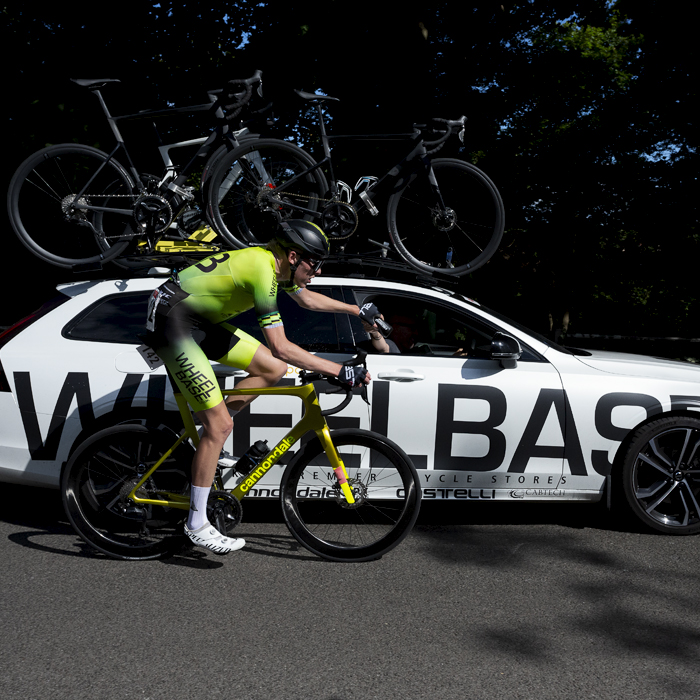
<point>227,284</point>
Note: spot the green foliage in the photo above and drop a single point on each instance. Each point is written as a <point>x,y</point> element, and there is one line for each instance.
<point>583,114</point>
<point>606,45</point>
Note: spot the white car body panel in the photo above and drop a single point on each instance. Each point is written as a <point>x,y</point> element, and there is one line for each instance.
<point>546,429</point>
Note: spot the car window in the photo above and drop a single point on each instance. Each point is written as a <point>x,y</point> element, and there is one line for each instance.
<point>423,327</point>
<point>120,318</point>
<point>311,330</point>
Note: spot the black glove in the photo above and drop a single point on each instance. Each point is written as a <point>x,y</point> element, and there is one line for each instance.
<point>354,375</point>
<point>369,313</point>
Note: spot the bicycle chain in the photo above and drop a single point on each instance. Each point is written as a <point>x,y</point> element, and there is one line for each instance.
<point>320,199</point>
<point>122,236</point>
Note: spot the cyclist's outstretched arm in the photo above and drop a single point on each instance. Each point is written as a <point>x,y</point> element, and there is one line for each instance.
<point>284,349</point>
<point>320,302</point>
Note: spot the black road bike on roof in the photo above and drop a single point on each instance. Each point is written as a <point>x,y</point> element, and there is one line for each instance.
<point>443,214</point>
<point>76,207</point>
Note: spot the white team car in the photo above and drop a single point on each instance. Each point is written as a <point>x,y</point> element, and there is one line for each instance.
<point>487,409</point>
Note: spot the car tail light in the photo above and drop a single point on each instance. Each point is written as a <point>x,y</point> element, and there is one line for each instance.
<point>7,335</point>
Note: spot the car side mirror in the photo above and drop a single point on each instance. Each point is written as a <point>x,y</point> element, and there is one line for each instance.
<point>506,349</point>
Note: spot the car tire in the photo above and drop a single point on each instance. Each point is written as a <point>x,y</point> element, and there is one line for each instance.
<point>661,475</point>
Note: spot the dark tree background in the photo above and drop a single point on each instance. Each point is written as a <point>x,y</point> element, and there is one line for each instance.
<point>581,112</point>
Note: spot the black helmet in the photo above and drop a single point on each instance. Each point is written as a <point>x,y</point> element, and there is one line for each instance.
<point>305,237</point>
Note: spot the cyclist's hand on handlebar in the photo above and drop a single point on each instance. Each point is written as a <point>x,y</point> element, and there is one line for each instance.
<point>354,375</point>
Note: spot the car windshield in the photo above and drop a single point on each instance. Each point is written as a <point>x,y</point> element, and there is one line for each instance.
<point>524,329</point>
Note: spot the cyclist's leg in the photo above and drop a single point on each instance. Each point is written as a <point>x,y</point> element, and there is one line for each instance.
<point>245,352</point>
<point>194,377</point>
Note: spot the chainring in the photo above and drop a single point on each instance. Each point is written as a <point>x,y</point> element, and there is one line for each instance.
<point>224,511</point>
<point>339,220</point>
<point>151,210</point>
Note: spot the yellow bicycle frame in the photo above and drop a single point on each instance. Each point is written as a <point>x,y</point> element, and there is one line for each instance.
<point>312,420</point>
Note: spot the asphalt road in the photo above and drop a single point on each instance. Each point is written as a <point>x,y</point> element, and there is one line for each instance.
<point>481,601</point>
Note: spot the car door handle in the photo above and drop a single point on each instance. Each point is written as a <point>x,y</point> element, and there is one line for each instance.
<point>401,375</point>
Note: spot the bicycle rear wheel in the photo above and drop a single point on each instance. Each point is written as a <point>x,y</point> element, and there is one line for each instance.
<point>98,478</point>
<point>452,225</point>
<point>52,221</point>
<point>384,483</point>
<point>239,207</point>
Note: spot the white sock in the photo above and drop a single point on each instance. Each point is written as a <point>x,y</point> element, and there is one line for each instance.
<point>198,507</point>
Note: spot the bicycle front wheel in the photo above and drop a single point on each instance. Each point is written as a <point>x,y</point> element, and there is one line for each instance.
<point>450,221</point>
<point>70,206</point>
<point>101,473</point>
<point>258,183</point>
<point>386,490</point>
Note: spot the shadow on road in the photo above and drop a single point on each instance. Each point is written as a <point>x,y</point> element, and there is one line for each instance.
<point>37,507</point>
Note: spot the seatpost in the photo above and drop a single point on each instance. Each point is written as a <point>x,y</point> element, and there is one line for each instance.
<point>117,135</point>
<point>110,118</point>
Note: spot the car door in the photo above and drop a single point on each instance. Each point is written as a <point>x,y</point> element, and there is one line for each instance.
<point>474,429</point>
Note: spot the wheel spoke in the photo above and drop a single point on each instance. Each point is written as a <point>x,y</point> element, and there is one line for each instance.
<point>652,463</point>
<point>692,497</point>
<point>647,492</point>
<point>471,240</point>
<point>681,457</point>
<point>658,451</point>
<point>665,495</point>
<point>50,191</point>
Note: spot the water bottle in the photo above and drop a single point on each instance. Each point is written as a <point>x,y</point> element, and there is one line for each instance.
<point>384,327</point>
<point>252,457</point>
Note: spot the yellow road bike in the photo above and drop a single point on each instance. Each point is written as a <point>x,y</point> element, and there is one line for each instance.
<point>346,494</point>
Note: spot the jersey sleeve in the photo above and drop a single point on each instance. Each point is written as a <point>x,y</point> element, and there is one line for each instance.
<point>265,298</point>
<point>289,287</point>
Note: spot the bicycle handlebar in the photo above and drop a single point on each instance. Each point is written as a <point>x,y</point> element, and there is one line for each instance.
<point>241,98</point>
<point>359,359</point>
<point>451,124</point>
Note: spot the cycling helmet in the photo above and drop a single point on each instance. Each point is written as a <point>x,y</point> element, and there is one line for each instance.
<point>304,237</point>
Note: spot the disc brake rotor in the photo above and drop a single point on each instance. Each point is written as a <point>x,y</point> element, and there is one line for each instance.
<point>445,220</point>
<point>359,492</point>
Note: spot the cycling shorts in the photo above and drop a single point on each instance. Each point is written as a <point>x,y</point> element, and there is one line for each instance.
<point>186,343</point>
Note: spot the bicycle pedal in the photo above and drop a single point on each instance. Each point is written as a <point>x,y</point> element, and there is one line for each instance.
<point>369,204</point>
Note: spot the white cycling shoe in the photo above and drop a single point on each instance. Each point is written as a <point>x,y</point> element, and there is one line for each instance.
<point>227,460</point>
<point>210,538</point>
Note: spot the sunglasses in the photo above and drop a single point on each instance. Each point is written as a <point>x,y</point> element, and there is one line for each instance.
<point>315,265</point>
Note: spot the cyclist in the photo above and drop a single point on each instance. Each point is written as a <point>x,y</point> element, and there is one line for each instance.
<point>187,326</point>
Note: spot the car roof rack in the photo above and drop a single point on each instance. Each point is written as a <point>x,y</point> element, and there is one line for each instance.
<point>382,267</point>
<point>352,265</point>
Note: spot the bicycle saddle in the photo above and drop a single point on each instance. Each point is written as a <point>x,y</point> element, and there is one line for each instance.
<point>314,96</point>
<point>94,83</point>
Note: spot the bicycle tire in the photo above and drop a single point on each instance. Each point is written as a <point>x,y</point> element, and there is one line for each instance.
<point>385,484</point>
<point>235,207</point>
<point>98,477</point>
<point>39,198</point>
<point>470,224</point>
<point>213,163</point>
